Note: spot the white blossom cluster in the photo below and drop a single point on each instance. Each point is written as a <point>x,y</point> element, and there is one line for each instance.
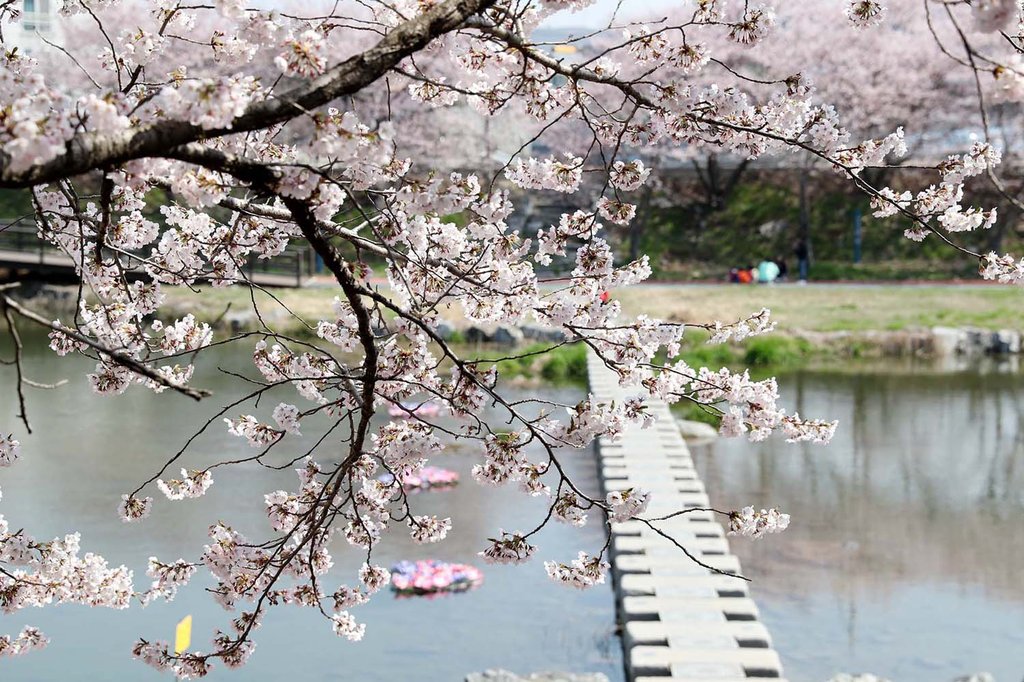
<point>191,484</point>
<point>510,548</point>
<point>36,573</point>
<point>10,450</point>
<point>626,504</point>
<point>759,323</point>
<point>29,639</point>
<point>582,572</point>
<point>942,201</point>
<point>757,524</point>
<point>865,13</point>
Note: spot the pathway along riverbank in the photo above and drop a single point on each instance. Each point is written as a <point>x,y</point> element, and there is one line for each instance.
<point>678,619</point>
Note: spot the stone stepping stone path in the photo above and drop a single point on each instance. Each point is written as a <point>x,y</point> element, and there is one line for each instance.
<point>679,620</point>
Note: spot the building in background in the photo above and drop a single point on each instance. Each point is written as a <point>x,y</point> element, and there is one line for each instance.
<point>38,24</point>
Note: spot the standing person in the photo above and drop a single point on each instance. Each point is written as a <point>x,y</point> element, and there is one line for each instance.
<point>802,252</point>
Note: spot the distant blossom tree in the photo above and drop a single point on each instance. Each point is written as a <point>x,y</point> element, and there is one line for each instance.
<point>261,113</point>
<point>852,71</point>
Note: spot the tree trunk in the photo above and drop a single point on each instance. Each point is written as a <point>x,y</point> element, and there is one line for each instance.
<point>639,225</point>
<point>805,212</point>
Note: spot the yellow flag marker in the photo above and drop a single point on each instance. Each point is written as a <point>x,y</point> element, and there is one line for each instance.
<point>183,635</point>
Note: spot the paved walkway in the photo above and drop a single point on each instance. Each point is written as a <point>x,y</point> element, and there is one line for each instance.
<point>680,620</point>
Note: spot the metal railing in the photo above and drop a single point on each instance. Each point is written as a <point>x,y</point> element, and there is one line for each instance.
<point>293,267</point>
<point>295,261</point>
<point>23,239</point>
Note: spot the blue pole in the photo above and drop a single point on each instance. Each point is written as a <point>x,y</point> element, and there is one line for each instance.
<point>856,235</point>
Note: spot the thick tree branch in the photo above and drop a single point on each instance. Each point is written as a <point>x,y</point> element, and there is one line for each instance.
<point>87,151</point>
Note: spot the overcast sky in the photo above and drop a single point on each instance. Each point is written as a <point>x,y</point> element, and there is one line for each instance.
<point>597,15</point>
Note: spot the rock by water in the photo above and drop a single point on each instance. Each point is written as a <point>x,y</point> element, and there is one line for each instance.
<point>694,430</point>
<point>506,676</point>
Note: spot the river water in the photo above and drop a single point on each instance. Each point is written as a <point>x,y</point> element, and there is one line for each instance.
<point>905,557</point>
<point>88,450</point>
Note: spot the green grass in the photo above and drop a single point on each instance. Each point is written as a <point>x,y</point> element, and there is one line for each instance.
<point>709,355</point>
<point>564,364</point>
<point>693,412</point>
<point>795,308</point>
<point>834,308</point>
<point>15,203</point>
<point>800,312</point>
<point>776,351</point>
<point>763,355</point>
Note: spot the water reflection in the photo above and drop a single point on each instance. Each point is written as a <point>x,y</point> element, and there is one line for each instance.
<point>906,550</point>
<point>89,450</point>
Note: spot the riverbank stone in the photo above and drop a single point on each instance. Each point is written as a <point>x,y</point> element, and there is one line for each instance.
<point>693,430</point>
<point>477,335</point>
<point>446,330</point>
<point>537,333</point>
<point>506,676</point>
<point>507,336</point>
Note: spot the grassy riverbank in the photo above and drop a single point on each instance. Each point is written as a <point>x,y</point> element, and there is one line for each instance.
<point>837,307</point>
<point>568,364</point>
<point>812,308</point>
<point>818,324</point>
<point>815,307</point>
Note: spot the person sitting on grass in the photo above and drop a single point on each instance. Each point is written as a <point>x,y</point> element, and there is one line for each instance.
<point>783,269</point>
<point>767,272</point>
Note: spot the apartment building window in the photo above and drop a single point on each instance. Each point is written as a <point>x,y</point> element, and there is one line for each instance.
<point>37,15</point>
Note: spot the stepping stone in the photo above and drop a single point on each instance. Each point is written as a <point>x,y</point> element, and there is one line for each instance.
<point>647,454</point>
<point>691,662</point>
<point>635,530</point>
<point>666,504</point>
<point>651,469</point>
<point>643,563</point>
<point>654,485</point>
<point>693,516</point>
<point>680,608</point>
<point>702,679</point>
<point>623,462</point>
<point>641,584</point>
<point>656,545</point>
<point>685,480</point>
<point>744,633</point>
<point>679,526</point>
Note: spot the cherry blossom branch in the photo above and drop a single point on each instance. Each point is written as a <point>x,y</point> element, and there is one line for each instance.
<point>115,355</point>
